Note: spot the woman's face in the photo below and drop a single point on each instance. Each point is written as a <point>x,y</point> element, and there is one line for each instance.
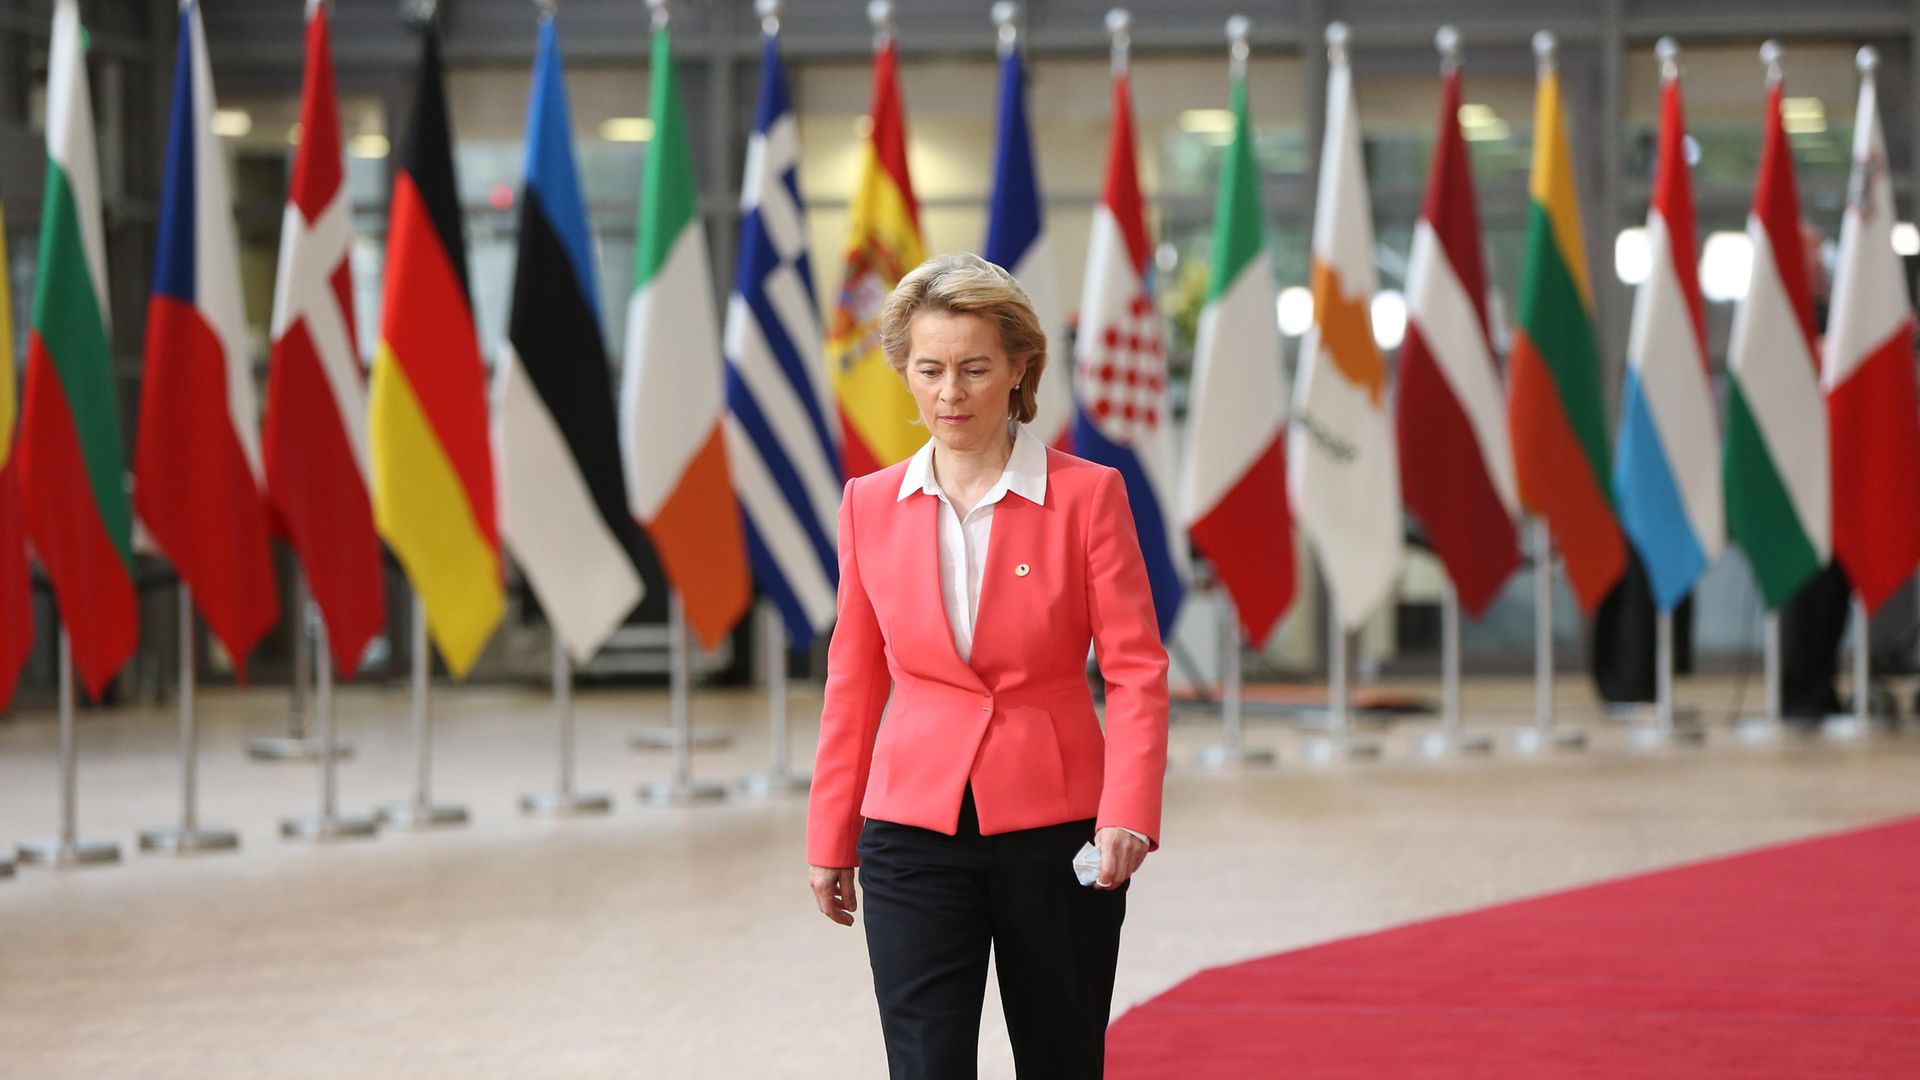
<point>961,378</point>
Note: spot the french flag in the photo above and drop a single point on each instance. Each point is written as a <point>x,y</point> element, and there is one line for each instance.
<point>1666,468</point>
<point>197,465</point>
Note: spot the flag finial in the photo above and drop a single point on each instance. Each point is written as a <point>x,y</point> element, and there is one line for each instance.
<point>769,12</point>
<point>1544,46</point>
<point>422,13</point>
<point>1337,43</point>
<point>314,6</point>
<point>1239,27</point>
<point>880,17</point>
<point>548,8</point>
<point>1867,60</point>
<point>1120,29</point>
<point>661,16</point>
<point>1006,17</point>
<point>1770,54</point>
<point>1668,50</point>
<point>1447,41</point>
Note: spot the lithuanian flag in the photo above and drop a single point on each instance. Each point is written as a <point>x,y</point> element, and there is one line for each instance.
<point>877,414</point>
<point>72,469</point>
<point>1554,409</point>
<point>433,489</point>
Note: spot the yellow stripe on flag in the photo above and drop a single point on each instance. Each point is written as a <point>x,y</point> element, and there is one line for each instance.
<point>1552,184</point>
<point>421,510</point>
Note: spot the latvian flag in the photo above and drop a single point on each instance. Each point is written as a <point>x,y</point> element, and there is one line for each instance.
<point>563,500</point>
<point>1666,470</point>
<point>315,431</point>
<point>197,468</point>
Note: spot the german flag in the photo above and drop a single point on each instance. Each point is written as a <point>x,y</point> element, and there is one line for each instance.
<point>433,490</point>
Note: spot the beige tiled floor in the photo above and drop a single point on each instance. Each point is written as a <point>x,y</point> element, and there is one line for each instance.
<point>682,942</point>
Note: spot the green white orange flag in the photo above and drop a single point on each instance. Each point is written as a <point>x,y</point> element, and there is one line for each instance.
<point>672,388</point>
<point>433,486</point>
<point>1555,413</point>
<point>877,415</point>
<point>16,581</point>
<point>72,473</point>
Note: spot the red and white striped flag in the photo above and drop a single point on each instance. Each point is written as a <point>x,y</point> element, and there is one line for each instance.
<point>316,424</point>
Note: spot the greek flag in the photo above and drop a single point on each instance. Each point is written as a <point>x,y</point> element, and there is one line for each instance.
<point>786,465</point>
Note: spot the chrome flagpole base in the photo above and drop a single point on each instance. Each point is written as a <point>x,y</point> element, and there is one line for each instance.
<point>59,853</point>
<point>417,815</point>
<point>1656,737</point>
<point>1440,744</point>
<point>323,827</point>
<point>558,804</point>
<point>1845,727</point>
<point>291,748</point>
<point>1537,740</point>
<point>1327,749</point>
<point>174,840</point>
<point>661,738</point>
<point>1758,730</point>
<point>1226,756</point>
<point>768,784</point>
<point>682,792</point>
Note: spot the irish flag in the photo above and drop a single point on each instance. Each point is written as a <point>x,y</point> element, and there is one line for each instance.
<point>433,485</point>
<point>1666,474</point>
<point>16,581</point>
<point>1233,490</point>
<point>1775,467</point>
<point>197,469</point>
<point>673,388</point>
<point>1873,410</point>
<point>1555,412</point>
<point>72,482</point>
<point>877,414</point>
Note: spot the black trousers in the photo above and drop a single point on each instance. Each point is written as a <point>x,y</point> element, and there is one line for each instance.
<point>934,904</point>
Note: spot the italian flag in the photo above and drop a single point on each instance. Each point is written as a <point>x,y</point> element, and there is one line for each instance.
<point>1555,412</point>
<point>672,389</point>
<point>72,482</point>
<point>1233,490</point>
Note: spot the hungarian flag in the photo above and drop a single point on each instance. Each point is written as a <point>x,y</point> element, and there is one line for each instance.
<point>877,414</point>
<point>1344,477</point>
<point>1666,468</point>
<point>1555,412</point>
<point>433,487</point>
<point>1873,411</point>
<point>16,580</point>
<point>563,501</point>
<point>1456,464</point>
<point>315,430</point>
<point>1122,415</point>
<point>1775,469</point>
<point>1233,490</point>
<point>1017,241</point>
<point>72,482</point>
<point>672,391</point>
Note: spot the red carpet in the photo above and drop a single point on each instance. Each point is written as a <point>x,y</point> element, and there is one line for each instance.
<point>1798,961</point>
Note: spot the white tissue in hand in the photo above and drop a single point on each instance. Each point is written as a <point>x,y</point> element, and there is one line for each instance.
<point>1086,865</point>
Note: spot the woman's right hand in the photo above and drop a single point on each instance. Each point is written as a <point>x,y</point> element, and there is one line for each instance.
<point>833,891</point>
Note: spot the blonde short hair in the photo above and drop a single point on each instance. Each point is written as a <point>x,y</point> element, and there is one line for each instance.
<point>966,284</point>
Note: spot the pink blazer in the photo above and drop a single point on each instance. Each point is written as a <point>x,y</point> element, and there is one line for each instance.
<point>1018,721</point>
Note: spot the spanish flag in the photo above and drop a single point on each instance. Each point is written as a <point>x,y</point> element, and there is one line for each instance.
<point>877,414</point>
<point>433,490</point>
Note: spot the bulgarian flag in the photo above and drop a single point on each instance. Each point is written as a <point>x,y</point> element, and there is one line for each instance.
<point>1233,491</point>
<point>1775,468</point>
<point>433,486</point>
<point>72,485</point>
<point>16,581</point>
<point>1555,412</point>
<point>673,386</point>
<point>197,469</point>
<point>1873,410</point>
<point>877,413</point>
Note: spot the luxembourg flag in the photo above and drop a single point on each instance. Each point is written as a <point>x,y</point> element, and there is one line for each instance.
<point>1017,239</point>
<point>197,465</point>
<point>1666,470</point>
<point>1122,417</point>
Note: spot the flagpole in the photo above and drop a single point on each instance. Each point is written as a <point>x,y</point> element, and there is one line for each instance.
<point>422,812</point>
<point>296,744</point>
<point>67,849</point>
<point>188,836</point>
<point>780,779</point>
<point>563,800</point>
<point>1337,743</point>
<point>1544,733</point>
<point>328,823</point>
<point>1857,722</point>
<point>683,788</point>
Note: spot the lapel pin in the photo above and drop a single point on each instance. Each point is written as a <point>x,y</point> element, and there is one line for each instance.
<point>1022,570</point>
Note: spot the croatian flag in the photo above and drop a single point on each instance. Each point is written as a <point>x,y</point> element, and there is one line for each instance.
<point>1121,414</point>
<point>1666,470</point>
<point>1017,241</point>
<point>197,464</point>
<point>780,443</point>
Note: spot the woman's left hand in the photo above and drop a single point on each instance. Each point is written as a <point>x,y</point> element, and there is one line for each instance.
<point>1121,853</point>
